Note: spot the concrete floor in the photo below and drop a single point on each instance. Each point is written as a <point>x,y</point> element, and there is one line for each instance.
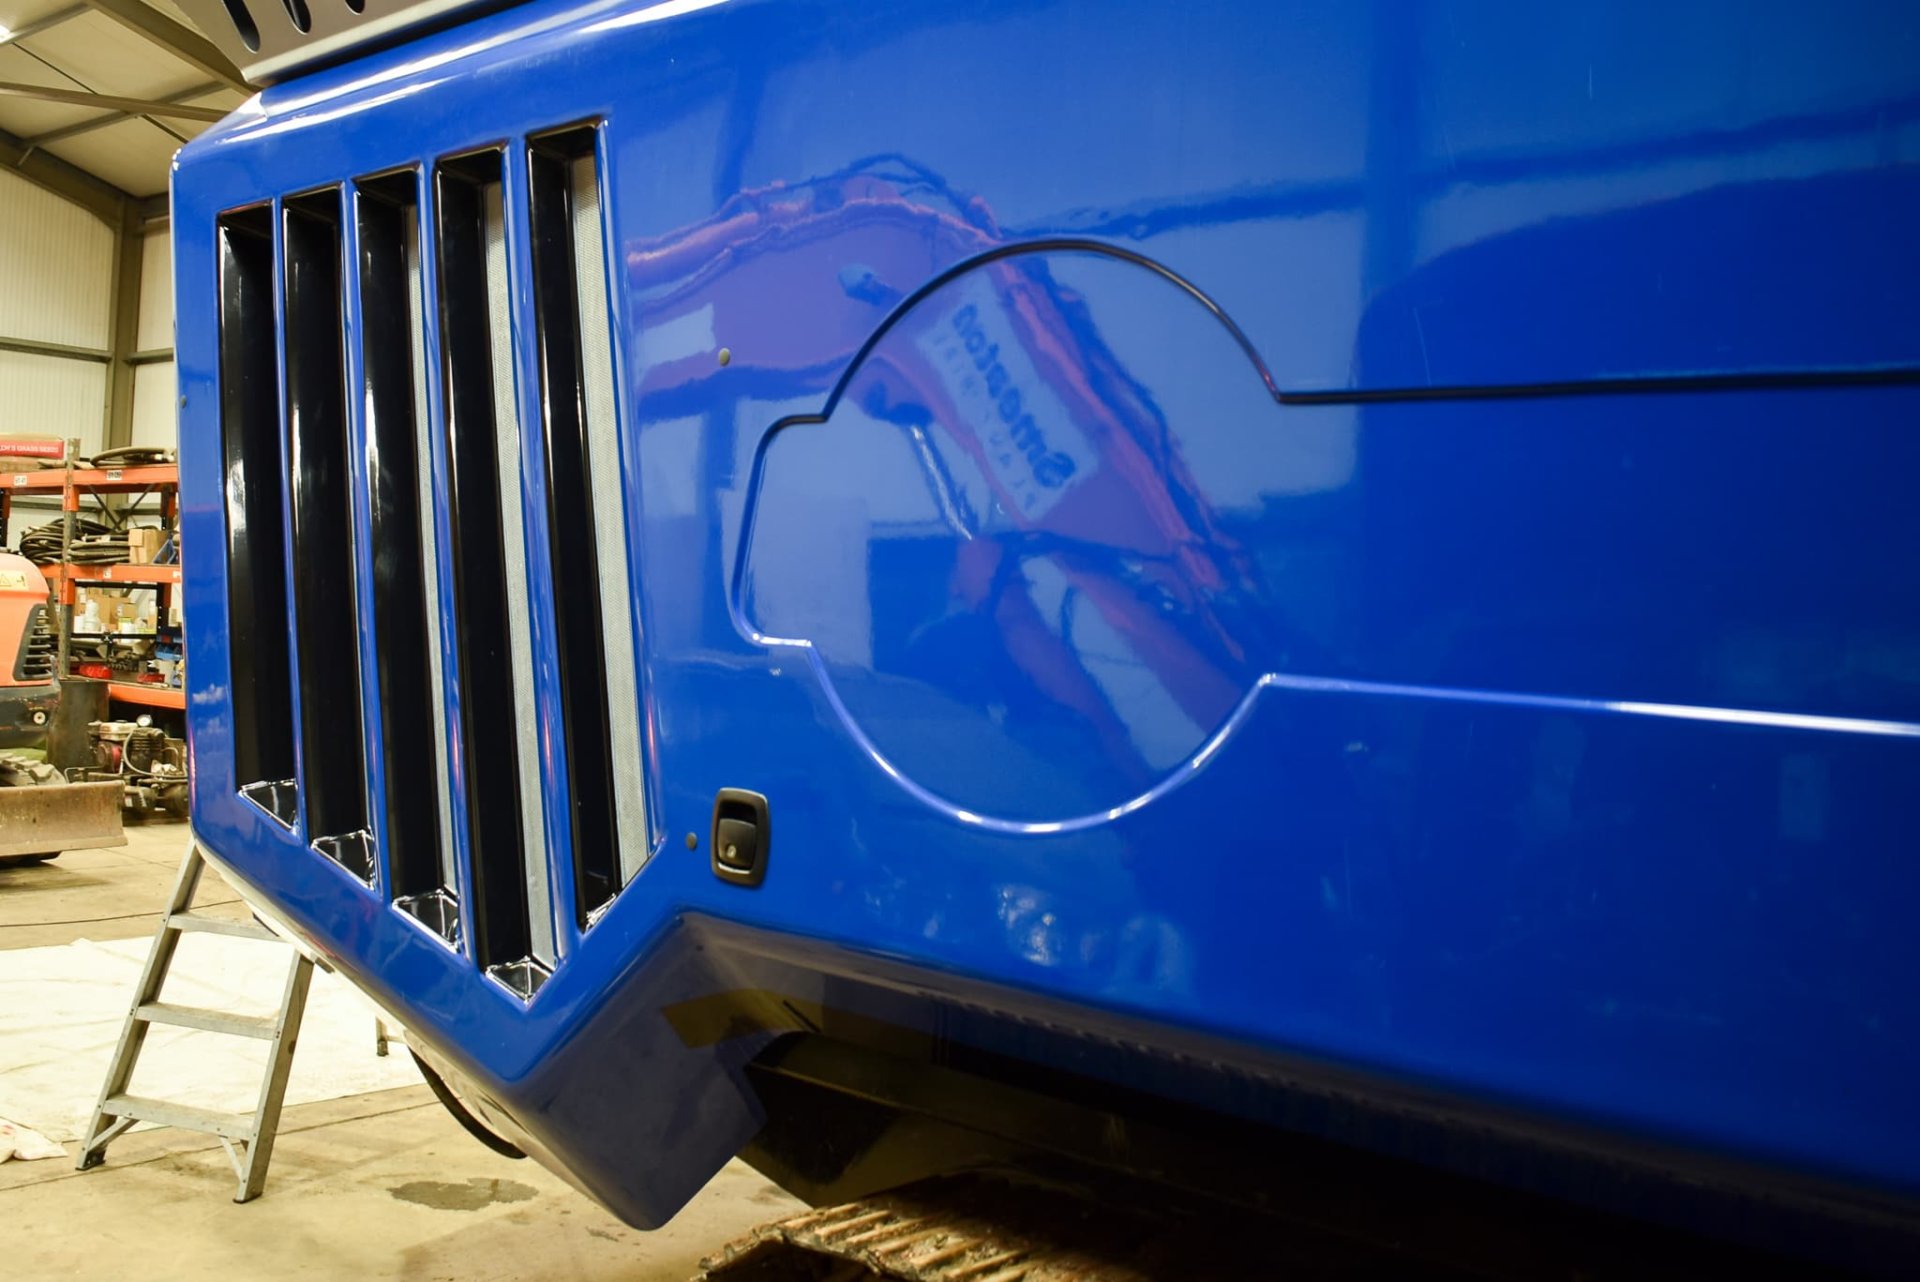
<point>378,1186</point>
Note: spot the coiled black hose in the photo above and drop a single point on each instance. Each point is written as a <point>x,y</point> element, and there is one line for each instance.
<point>93,544</point>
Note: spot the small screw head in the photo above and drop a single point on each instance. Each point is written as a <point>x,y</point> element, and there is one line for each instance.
<point>183,402</point>
<point>726,355</point>
<point>693,842</point>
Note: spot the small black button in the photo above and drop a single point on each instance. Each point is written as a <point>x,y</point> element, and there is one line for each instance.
<point>735,843</point>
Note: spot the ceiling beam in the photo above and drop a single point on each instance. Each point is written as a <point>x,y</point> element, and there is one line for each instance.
<point>38,25</point>
<point>47,171</point>
<point>111,102</point>
<point>176,38</point>
<point>114,117</point>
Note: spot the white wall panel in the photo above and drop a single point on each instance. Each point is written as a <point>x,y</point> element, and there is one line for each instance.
<point>155,421</point>
<point>156,292</point>
<point>56,262</point>
<point>53,396</point>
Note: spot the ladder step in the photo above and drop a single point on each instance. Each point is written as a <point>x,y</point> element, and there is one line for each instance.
<point>222,926</point>
<point>186,1117</point>
<point>212,1021</point>
<point>248,1140</point>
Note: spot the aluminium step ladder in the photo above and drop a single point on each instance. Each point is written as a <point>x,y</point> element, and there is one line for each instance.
<point>117,1110</point>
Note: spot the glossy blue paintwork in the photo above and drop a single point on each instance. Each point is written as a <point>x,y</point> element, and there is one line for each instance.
<point>1547,753</point>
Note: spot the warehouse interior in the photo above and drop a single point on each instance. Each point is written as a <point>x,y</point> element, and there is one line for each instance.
<point>95,98</point>
<point>1326,596</point>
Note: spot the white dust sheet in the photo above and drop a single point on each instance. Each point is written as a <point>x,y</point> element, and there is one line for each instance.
<point>61,1009</point>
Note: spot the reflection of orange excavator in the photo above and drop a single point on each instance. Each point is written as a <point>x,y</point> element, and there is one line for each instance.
<point>1090,483</point>
<point>41,814</point>
<point>1079,461</point>
<point>716,276</point>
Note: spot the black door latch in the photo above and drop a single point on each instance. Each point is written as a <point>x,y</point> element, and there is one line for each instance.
<point>741,834</point>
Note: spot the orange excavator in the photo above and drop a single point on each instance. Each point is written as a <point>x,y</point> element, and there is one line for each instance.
<point>41,813</point>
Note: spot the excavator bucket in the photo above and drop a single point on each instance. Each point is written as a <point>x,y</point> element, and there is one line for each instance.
<point>44,820</point>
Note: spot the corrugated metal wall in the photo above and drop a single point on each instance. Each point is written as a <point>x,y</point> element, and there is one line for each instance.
<point>156,292</point>
<point>56,292</point>
<point>56,286</point>
<point>155,421</point>
<point>52,396</point>
<point>57,265</point>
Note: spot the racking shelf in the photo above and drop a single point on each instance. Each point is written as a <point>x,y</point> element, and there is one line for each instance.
<point>148,694</point>
<point>76,485</point>
<point>98,480</point>
<point>132,575</point>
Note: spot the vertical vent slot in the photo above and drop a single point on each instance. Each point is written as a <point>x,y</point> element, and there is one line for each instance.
<point>36,660</point>
<point>585,522</point>
<point>405,587</point>
<point>511,922</point>
<point>333,774</point>
<point>261,678</point>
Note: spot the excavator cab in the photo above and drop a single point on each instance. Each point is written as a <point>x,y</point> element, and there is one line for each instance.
<point>41,814</point>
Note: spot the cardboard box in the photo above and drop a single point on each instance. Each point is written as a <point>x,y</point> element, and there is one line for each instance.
<point>143,542</point>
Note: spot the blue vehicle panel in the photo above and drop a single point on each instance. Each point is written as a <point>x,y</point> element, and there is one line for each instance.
<point>1304,541</point>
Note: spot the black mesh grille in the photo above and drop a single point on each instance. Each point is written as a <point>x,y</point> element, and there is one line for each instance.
<point>38,650</point>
